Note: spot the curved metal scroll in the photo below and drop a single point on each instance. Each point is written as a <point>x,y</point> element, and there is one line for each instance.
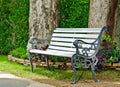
<point>80,62</point>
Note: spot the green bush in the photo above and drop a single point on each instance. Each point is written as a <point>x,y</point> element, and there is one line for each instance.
<point>73,13</point>
<point>14,20</point>
<point>19,53</point>
<point>13,24</point>
<point>111,49</point>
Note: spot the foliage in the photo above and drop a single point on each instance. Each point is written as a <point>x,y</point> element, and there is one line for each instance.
<point>109,52</point>
<point>73,13</point>
<point>58,59</point>
<point>111,49</point>
<point>19,53</point>
<point>13,24</point>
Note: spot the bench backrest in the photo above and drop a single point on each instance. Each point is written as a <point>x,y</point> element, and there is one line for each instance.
<point>62,38</point>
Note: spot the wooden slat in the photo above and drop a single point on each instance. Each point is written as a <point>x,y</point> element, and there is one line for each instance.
<point>67,49</point>
<point>63,51</point>
<point>71,39</point>
<point>92,30</point>
<point>62,48</point>
<point>76,35</point>
<point>63,39</point>
<point>53,52</point>
<point>62,44</point>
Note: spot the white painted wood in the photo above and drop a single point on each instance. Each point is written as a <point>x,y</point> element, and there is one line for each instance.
<point>62,48</point>
<point>78,30</point>
<point>54,52</point>
<point>62,44</point>
<point>67,49</point>
<point>62,41</point>
<point>76,35</point>
<point>71,39</point>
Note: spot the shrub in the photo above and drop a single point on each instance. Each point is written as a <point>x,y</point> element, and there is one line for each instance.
<point>109,52</point>
<point>19,53</point>
<point>73,13</point>
<point>13,24</point>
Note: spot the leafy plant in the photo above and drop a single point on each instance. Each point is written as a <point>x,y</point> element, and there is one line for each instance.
<point>13,24</point>
<point>109,51</point>
<point>73,13</point>
<point>19,53</point>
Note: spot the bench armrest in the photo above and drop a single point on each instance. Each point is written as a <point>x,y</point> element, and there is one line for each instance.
<point>93,45</point>
<point>35,43</point>
<point>78,44</point>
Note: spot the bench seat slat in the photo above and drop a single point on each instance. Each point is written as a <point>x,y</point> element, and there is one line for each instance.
<point>53,52</point>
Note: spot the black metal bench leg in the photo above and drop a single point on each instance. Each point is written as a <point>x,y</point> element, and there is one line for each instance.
<point>30,59</point>
<point>93,73</point>
<point>47,62</point>
<point>74,70</point>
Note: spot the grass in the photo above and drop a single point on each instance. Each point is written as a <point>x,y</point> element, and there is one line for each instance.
<point>63,75</point>
<point>24,71</point>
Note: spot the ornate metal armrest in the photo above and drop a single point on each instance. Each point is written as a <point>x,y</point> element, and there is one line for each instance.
<point>93,45</point>
<point>33,41</point>
<point>78,44</point>
<point>37,44</point>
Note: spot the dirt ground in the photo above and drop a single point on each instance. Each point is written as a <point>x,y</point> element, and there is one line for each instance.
<point>84,83</point>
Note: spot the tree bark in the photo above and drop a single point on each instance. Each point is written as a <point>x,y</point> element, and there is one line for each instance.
<point>111,17</point>
<point>103,13</point>
<point>99,10</point>
<point>42,18</point>
<point>117,27</point>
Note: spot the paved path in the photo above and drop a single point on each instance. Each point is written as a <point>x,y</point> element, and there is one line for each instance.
<point>9,80</point>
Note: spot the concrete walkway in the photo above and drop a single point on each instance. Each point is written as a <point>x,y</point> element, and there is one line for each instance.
<point>9,80</point>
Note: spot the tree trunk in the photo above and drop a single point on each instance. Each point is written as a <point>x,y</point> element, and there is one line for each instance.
<point>117,31</point>
<point>42,18</point>
<point>99,10</point>
<point>111,17</point>
<point>103,13</point>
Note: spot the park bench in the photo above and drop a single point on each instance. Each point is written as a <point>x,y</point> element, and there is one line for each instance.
<point>79,44</point>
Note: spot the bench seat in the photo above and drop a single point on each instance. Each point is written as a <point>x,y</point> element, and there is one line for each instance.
<point>53,52</point>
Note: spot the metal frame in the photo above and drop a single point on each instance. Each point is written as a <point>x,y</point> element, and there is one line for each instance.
<point>88,61</point>
<point>33,41</point>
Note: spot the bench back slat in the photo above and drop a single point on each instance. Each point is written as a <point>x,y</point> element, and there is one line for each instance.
<point>66,49</point>
<point>62,38</point>
<point>75,35</point>
<point>82,30</point>
<point>62,44</point>
<point>58,39</point>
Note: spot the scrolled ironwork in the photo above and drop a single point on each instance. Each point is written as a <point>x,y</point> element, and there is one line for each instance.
<point>81,62</point>
<point>78,61</point>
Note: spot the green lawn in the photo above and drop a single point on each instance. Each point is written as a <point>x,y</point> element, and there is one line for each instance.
<point>63,75</point>
<point>24,71</point>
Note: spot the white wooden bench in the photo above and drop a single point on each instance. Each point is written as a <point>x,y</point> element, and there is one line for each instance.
<point>79,44</point>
